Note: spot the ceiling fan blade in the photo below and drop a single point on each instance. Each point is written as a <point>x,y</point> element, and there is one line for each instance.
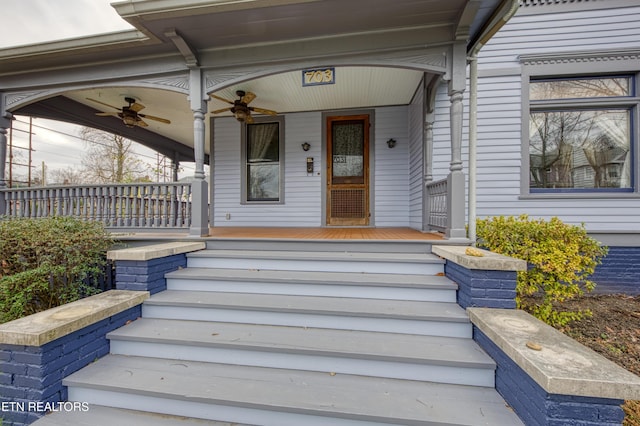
<point>102,103</point>
<point>248,119</point>
<point>263,111</point>
<point>136,107</point>
<point>151,117</point>
<point>141,123</point>
<point>107,114</point>
<point>218,111</point>
<point>248,97</point>
<point>222,99</point>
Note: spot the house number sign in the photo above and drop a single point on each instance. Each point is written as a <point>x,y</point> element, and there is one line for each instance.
<point>317,77</point>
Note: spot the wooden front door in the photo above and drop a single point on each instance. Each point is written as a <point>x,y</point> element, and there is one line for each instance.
<point>348,170</point>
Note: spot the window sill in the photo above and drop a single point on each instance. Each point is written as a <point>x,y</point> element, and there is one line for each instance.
<point>261,203</point>
<point>580,195</point>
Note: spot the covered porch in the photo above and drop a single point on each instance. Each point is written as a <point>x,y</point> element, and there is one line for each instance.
<point>399,72</point>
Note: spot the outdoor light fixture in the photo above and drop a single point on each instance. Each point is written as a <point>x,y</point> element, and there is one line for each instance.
<point>306,146</point>
<point>391,143</point>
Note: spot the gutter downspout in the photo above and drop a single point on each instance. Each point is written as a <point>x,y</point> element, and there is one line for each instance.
<point>473,115</point>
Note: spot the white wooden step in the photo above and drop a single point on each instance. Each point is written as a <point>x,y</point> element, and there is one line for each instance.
<point>276,397</point>
<point>393,316</point>
<point>391,355</point>
<point>331,284</point>
<point>401,263</point>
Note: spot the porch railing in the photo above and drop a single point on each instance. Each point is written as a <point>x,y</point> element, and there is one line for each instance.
<point>437,205</point>
<point>140,205</point>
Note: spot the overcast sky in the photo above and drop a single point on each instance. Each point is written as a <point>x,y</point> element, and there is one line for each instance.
<point>35,21</point>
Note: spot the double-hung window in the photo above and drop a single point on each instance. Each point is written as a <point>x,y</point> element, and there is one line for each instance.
<point>263,156</point>
<point>581,134</point>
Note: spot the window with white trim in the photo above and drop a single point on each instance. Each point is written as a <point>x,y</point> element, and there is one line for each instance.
<point>580,134</point>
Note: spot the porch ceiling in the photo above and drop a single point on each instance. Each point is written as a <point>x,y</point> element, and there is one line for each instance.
<point>224,35</point>
<point>355,87</point>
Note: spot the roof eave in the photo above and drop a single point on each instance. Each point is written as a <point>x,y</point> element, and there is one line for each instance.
<point>86,44</point>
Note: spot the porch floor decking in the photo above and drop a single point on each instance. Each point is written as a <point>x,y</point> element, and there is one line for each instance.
<point>323,233</point>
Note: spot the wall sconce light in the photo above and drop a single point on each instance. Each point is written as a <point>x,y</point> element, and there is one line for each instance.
<point>306,146</point>
<point>391,143</point>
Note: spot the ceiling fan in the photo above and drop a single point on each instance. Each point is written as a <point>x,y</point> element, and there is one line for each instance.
<point>130,114</point>
<point>241,109</point>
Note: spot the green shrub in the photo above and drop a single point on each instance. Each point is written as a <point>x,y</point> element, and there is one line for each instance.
<point>43,263</point>
<point>560,257</point>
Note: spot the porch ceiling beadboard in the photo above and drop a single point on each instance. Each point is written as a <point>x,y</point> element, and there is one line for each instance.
<point>354,87</point>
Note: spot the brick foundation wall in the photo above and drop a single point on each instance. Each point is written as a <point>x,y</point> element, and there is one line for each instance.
<point>619,271</point>
<point>481,288</point>
<point>31,376</point>
<point>147,275</point>
<point>536,407</point>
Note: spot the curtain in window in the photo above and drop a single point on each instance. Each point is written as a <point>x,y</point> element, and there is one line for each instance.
<point>348,149</point>
<point>262,140</point>
<point>263,162</point>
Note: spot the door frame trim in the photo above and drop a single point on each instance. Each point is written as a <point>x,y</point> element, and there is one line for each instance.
<point>324,168</point>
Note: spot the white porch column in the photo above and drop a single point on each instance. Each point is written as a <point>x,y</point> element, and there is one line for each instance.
<point>430,90</point>
<point>427,167</point>
<point>4,125</point>
<point>3,151</point>
<point>428,148</point>
<point>456,180</point>
<point>200,190</point>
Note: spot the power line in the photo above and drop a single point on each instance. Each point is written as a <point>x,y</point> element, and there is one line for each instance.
<point>60,132</point>
<point>44,141</point>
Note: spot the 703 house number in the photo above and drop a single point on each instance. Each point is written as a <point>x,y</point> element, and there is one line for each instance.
<point>318,76</point>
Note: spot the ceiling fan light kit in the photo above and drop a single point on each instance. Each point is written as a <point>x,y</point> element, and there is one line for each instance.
<point>241,109</point>
<point>130,114</point>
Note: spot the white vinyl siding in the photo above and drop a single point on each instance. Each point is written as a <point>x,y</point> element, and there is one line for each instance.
<point>501,114</point>
<point>597,30</point>
<point>391,168</point>
<point>303,198</point>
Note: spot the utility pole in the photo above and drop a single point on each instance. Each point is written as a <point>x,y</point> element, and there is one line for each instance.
<point>161,167</point>
<point>12,163</point>
<point>157,167</point>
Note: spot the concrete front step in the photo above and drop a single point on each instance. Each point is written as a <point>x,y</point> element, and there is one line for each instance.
<point>268,396</point>
<point>97,415</point>
<point>390,355</point>
<point>333,261</point>
<point>312,283</point>
<point>391,316</point>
